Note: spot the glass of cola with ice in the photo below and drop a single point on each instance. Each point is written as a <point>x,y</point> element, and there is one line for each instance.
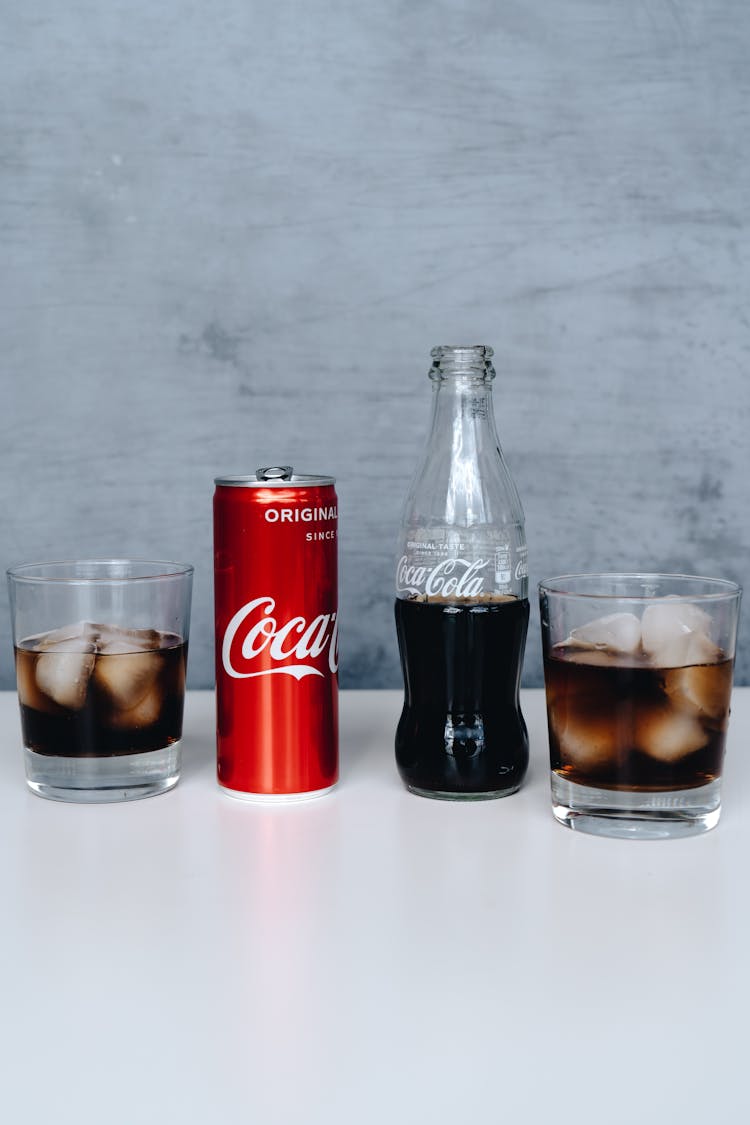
<point>638,677</point>
<point>101,656</point>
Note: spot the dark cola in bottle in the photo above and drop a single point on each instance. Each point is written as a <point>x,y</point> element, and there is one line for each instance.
<point>461,597</point>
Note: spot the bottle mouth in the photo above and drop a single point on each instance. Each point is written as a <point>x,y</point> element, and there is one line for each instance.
<point>474,360</point>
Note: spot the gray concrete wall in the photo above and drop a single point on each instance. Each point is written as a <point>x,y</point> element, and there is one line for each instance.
<point>232,231</point>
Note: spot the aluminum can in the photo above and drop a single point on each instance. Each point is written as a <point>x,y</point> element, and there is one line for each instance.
<point>276,606</point>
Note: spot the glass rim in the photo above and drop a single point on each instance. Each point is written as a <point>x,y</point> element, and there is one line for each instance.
<point>34,572</point>
<point>723,588</point>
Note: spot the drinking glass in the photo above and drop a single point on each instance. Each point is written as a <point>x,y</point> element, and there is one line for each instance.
<point>638,677</point>
<point>101,656</point>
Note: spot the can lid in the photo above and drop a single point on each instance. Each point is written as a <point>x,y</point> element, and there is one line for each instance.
<point>273,476</point>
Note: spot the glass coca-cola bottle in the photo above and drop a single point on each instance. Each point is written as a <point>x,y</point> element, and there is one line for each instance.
<point>461,597</point>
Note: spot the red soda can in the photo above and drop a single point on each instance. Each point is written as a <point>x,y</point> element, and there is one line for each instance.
<point>276,605</point>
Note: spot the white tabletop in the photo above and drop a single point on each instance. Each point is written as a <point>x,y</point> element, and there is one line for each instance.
<point>368,957</point>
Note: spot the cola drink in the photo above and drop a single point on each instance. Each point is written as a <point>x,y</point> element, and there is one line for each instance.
<point>275,587</point>
<point>618,722</point>
<point>461,598</point>
<point>638,671</point>
<point>96,691</point>
<point>461,730</point>
<point>101,698</point>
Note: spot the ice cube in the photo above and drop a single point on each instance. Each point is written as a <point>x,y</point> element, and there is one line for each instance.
<point>28,692</point>
<point>675,634</point>
<point>618,632</point>
<point>145,712</point>
<point>64,664</point>
<point>701,689</point>
<point>124,675</point>
<point>584,654</point>
<point>114,639</point>
<point>587,744</point>
<point>63,673</point>
<point>119,646</point>
<point>667,734</point>
<point>81,634</point>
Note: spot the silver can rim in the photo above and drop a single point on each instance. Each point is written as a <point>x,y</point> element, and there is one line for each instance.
<point>298,480</point>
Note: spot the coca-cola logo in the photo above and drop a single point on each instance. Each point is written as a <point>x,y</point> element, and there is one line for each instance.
<point>257,631</point>
<point>457,578</point>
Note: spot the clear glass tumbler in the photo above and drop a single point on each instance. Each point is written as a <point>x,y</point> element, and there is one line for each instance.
<point>101,656</point>
<point>638,676</point>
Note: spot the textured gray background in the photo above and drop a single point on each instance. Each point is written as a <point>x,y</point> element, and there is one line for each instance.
<point>232,231</point>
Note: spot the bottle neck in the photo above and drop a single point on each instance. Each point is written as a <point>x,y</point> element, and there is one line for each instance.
<point>463,528</point>
<point>462,389</point>
<point>462,404</point>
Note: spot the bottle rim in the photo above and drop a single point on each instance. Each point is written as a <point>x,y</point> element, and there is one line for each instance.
<point>463,350</point>
<point>474,361</point>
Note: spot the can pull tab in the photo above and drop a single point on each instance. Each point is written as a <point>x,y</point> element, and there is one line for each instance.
<point>275,472</point>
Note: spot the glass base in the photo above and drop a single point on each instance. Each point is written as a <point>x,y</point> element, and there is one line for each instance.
<point>637,816</point>
<point>438,795</point>
<point>126,777</point>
